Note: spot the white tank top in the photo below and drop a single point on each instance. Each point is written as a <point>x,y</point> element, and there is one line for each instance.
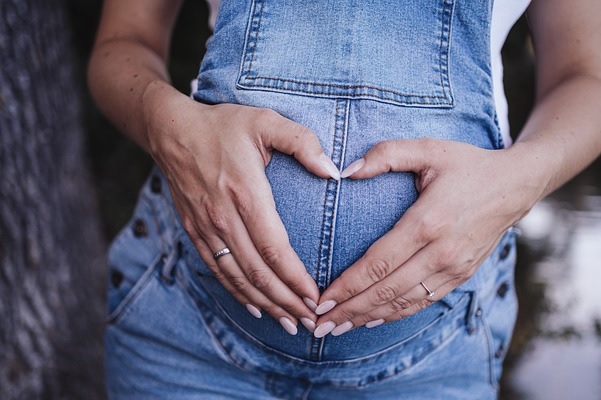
<point>504,16</point>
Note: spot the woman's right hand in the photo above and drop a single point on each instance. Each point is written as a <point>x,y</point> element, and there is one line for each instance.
<point>214,158</point>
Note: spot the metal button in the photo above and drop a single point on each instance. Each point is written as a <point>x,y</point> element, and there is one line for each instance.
<point>139,228</point>
<point>116,278</point>
<point>478,312</point>
<point>502,290</point>
<point>504,252</point>
<point>500,351</point>
<point>155,184</point>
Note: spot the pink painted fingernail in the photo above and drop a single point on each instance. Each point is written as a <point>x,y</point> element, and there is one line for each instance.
<point>372,324</point>
<point>288,326</point>
<point>325,307</point>
<point>254,311</point>
<point>310,303</point>
<point>310,325</point>
<point>352,168</point>
<point>330,166</point>
<point>324,329</point>
<point>342,328</point>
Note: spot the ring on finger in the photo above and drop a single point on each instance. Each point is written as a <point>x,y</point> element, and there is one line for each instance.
<point>221,253</point>
<point>430,293</point>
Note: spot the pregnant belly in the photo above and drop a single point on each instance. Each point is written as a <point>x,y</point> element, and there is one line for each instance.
<point>331,224</point>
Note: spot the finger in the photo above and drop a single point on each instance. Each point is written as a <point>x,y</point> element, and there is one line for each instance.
<point>267,235</point>
<point>400,289</point>
<point>394,286</point>
<point>298,141</point>
<point>379,261</point>
<point>393,155</point>
<point>229,273</point>
<point>395,315</point>
<point>265,277</point>
<point>231,276</point>
<point>417,298</point>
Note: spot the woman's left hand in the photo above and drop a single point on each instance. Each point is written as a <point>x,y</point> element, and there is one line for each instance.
<point>468,198</point>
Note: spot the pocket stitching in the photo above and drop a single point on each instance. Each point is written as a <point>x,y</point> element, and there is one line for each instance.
<point>270,83</point>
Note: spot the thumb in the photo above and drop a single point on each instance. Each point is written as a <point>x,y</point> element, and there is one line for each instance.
<point>408,155</point>
<point>301,143</point>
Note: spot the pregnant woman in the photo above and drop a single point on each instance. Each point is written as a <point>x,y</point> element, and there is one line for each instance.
<point>331,215</point>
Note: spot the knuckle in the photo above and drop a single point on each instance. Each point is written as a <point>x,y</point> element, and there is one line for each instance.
<point>242,199</point>
<point>378,269</point>
<point>384,294</point>
<point>345,315</point>
<point>430,145</point>
<point>364,319</point>
<point>400,304</point>
<point>217,273</point>
<point>267,116</point>
<point>425,303</point>
<point>218,218</point>
<point>271,255</point>
<point>270,308</point>
<point>239,284</point>
<point>384,146</point>
<point>259,278</point>
<point>303,134</point>
<point>448,255</point>
<point>429,227</point>
<point>347,290</point>
<point>292,308</point>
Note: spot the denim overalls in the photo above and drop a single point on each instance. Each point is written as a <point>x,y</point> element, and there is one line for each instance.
<point>356,73</point>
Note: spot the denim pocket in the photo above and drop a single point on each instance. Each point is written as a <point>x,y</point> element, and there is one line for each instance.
<point>392,51</point>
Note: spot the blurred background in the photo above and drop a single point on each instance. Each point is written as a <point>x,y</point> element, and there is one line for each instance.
<point>556,350</point>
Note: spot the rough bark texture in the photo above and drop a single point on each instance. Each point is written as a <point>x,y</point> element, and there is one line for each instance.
<point>51,252</point>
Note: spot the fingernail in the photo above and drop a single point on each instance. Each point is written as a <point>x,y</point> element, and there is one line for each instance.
<point>310,325</point>
<point>352,168</point>
<point>310,303</point>
<point>325,307</point>
<point>330,166</point>
<point>288,326</point>
<point>375,323</point>
<point>324,329</point>
<point>342,328</point>
<point>254,311</point>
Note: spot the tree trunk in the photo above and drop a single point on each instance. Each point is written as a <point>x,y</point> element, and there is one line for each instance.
<point>51,251</point>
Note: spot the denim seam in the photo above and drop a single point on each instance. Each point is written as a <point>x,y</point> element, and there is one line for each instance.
<point>490,343</point>
<point>204,320</point>
<point>337,86</point>
<point>445,40</point>
<point>256,31</point>
<point>326,242</point>
<point>419,356</point>
<point>126,304</point>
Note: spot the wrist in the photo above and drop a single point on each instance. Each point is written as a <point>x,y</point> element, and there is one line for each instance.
<point>531,166</point>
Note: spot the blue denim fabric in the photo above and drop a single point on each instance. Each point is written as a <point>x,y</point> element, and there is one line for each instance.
<point>356,73</point>
<point>172,335</point>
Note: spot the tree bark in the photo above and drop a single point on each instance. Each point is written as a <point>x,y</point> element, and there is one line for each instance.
<point>51,250</point>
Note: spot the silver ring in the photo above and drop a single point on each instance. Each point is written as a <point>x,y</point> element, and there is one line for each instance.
<point>430,293</point>
<point>221,253</point>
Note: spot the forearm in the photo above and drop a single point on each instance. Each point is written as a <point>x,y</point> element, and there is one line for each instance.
<point>124,77</point>
<point>127,73</point>
<point>563,133</point>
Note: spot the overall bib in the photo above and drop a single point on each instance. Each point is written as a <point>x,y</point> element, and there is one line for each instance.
<point>356,73</point>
